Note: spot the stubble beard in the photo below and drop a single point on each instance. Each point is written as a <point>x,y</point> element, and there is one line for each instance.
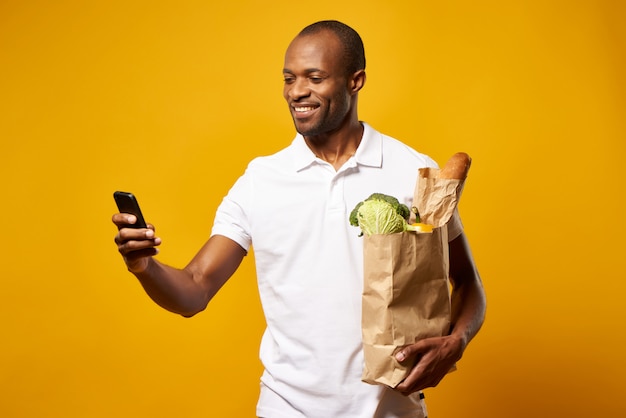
<point>323,124</point>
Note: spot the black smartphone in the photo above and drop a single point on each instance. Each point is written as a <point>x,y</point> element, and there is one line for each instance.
<point>127,203</point>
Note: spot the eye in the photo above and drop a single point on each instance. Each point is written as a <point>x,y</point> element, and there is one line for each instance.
<point>288,79</point>
<point>316,79</point>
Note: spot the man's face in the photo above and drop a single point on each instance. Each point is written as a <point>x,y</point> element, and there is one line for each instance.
<point>316,84</point>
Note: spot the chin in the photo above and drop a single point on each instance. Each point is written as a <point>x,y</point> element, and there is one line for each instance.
<point>307,130</point>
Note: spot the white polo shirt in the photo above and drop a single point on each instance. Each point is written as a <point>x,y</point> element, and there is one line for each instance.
<point>293,209</point>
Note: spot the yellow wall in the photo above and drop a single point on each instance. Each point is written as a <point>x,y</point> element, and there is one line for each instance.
<point>171,102</point>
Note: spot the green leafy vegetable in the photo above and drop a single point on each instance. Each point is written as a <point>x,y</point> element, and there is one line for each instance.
<point>381,214</point>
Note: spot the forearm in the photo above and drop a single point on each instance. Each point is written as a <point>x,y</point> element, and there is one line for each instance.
<point>188,291</point>
<point>468,296</point>
<point>468,310</point>
<point>173,289</point>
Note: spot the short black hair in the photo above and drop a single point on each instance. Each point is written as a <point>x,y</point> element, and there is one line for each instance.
<point>354,52</point>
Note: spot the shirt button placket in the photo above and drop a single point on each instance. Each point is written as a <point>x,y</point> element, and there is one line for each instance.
<point>335,198</point>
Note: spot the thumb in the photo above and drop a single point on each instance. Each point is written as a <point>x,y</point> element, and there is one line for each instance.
<point>409,351</point>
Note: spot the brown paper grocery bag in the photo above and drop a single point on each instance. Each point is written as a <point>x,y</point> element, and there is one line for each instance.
<point>406,298</point>
<point>436,199</point>
<point>406,292</point>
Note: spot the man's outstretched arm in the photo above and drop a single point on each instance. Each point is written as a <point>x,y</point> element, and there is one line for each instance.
<point>184,291</point>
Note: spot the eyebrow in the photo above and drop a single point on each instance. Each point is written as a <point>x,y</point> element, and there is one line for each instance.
<point>307,71</point>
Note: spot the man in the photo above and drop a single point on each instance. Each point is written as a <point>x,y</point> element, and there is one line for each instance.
<point>294,207</point>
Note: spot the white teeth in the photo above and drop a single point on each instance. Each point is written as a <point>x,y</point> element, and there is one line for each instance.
<point>303,109</point>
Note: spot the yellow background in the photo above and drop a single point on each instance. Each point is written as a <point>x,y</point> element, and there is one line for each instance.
<point>171,101</point>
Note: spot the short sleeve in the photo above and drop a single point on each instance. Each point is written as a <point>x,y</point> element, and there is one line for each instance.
<point>231,218</point>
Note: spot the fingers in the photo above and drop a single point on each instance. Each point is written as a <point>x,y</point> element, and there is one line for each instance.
<point>428,370</point>
<point>126,219</point>
<point>141,242</point>
<point>418,379</point>
<point>136,245</point>
<point>130,240</point>
<point>408,352</point>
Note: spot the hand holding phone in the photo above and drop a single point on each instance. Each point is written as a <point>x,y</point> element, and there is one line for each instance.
<point>136,246</point>
<point>127,203</point>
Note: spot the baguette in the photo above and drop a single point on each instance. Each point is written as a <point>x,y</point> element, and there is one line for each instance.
<point>457,167</point>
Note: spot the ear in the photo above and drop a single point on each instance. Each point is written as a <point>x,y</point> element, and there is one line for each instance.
<point>357,81</point>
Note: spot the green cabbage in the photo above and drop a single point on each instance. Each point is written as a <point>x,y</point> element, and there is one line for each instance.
<point>381,214</point>
<point>379,217</point>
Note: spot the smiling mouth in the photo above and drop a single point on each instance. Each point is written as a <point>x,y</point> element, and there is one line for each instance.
<point>303,108</point>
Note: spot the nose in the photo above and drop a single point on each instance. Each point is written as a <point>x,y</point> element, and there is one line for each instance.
<point>298,89</point>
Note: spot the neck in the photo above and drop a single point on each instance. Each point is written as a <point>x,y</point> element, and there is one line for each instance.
<point>336,147</point>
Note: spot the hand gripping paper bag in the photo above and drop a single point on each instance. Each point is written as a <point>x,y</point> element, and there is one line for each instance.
<point>406,290</point>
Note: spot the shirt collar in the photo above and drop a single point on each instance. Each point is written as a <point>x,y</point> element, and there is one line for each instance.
<point>370,150</point>
<point>368,153</point>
